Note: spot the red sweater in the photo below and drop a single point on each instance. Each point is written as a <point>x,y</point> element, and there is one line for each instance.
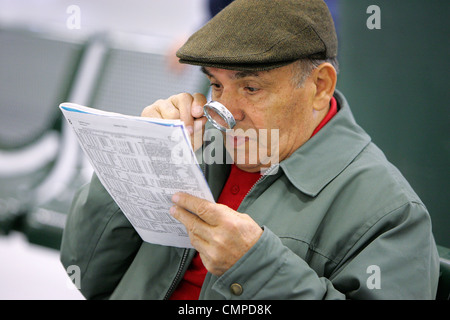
<point>236,188</point>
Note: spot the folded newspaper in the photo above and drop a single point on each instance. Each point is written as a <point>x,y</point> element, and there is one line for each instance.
<point>141,162</point>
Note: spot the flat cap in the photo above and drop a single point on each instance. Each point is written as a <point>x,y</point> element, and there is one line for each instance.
<point>258,35</point>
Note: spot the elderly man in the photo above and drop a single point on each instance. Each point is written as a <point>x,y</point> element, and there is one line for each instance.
<point>328,218</point>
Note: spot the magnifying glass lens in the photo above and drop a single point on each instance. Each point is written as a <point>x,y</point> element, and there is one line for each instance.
<point>219,116</point>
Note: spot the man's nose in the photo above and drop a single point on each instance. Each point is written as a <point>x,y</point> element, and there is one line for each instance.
<point>233,104</point>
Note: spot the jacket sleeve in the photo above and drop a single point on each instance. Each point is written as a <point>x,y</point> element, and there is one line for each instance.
<point>394,258</point>
<point>99,240</point>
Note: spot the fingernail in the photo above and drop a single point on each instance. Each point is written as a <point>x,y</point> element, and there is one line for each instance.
<point>190,129</point>
<point>175,198</point>
<point>172,210</point>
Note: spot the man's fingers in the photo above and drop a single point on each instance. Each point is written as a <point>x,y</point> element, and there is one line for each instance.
<point>153,110</point>
<point>190,221</point>
<point>203,209</point>
<point>197,105</point>
<point>220,234</point>
<point>185,107</point>
<point>198,229</point>
<point>163,109</point>
<point>183,103</point>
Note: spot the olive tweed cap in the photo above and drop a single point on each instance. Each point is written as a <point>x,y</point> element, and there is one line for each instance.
<point>258,35</point>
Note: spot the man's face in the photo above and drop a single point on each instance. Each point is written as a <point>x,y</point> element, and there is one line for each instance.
<point>263,100</point>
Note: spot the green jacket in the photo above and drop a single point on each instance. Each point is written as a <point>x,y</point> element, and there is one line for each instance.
<point>340,222</point>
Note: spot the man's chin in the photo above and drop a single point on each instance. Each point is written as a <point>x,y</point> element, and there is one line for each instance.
<point>248,167</point>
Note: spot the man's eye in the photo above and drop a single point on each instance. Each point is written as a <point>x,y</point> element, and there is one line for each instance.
<point>251,89</point>
<point>214,85</point>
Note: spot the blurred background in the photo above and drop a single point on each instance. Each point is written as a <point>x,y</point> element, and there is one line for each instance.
<point>119,56</point>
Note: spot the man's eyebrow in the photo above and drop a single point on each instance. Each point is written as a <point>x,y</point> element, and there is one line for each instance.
<point>237,75</point>
<point>203,69</point>
<point>244,74</point>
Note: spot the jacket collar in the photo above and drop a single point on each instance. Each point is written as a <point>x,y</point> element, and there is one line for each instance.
<point>328,153</point>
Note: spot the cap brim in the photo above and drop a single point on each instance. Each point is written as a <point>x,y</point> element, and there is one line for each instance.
<point>238,67</point>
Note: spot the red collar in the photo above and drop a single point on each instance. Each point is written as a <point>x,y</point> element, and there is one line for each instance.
<point>331,113</point>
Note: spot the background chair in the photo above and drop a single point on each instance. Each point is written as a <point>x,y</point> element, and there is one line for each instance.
<point>443,292</point>
<point>37,71</point>
<point>119,73</point>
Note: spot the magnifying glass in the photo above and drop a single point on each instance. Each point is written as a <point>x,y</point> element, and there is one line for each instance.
<point>219,116</point>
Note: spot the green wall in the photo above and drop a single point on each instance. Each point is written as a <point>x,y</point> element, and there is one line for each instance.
<point>396,80</point>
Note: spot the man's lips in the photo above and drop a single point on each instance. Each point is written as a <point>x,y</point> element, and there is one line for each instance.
<point>237,141</point>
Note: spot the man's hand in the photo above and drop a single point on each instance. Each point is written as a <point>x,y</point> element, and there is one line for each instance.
<point>220,234</point>
<point>188,108</point>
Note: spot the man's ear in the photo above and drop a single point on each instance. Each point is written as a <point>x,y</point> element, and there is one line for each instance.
<point>324,78</point>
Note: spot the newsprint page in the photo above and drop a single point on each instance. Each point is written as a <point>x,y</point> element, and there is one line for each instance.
<point>141,162</point>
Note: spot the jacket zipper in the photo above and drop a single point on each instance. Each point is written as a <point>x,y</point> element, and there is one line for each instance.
<point>178,275</point>
<point>260,179</point>
<point>183,258</point>
<point>203,167</point>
